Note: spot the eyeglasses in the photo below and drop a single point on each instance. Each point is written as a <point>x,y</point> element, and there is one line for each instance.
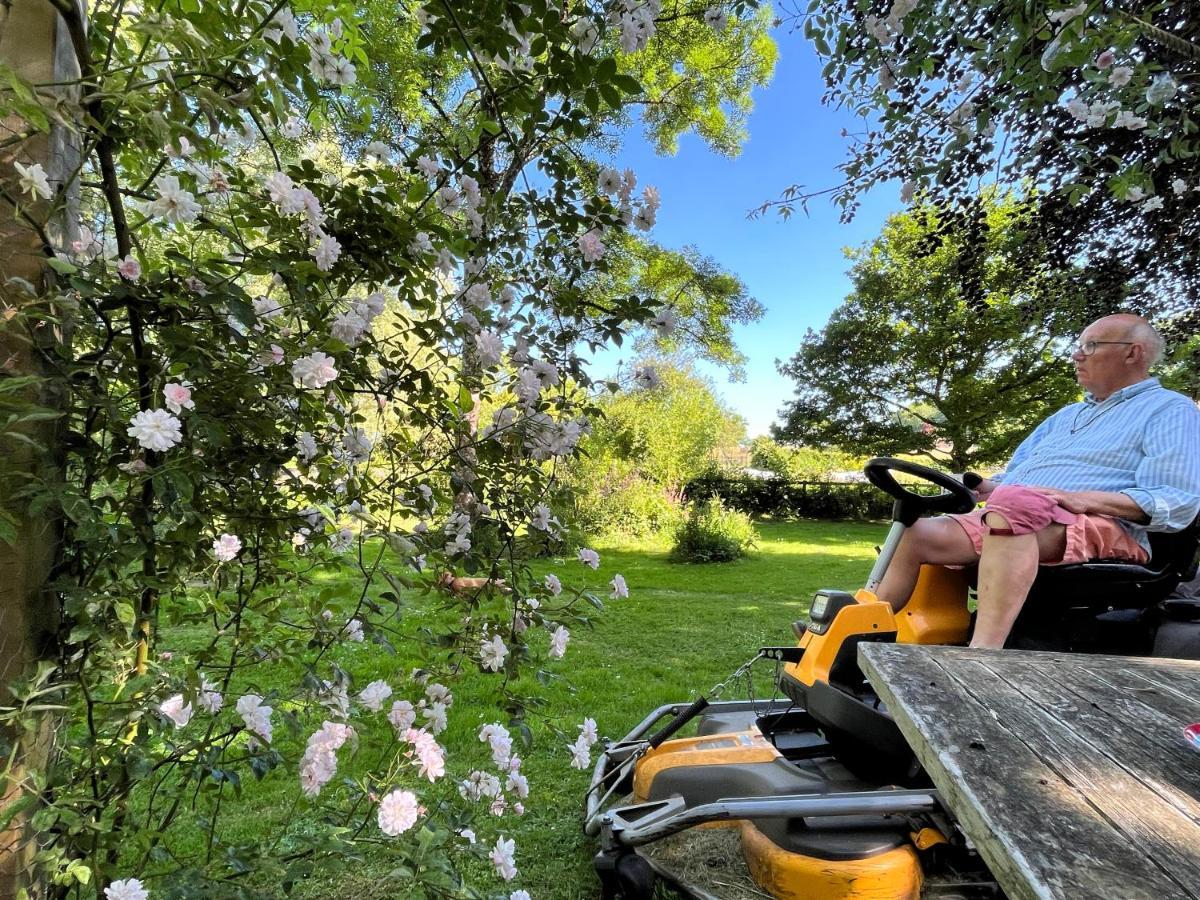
<point>1087,348</point>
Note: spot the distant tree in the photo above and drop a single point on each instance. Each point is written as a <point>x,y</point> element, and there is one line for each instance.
<point>944,348</point>
<point>800,463</point>
<point>644,448</point>
<point>668,432</point>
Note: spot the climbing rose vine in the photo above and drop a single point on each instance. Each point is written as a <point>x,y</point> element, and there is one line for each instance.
<point>312,354</point>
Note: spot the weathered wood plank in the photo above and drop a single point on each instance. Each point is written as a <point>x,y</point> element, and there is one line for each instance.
<point>1039,833</point>
<point>1143,738</point>
<point>1112,783</point>
<point>1169,693</point>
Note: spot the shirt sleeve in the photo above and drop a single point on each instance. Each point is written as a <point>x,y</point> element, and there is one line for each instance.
<point>1025,448</point>
<point>1168,478</point>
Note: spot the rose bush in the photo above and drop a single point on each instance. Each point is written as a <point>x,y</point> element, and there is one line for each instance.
<point>281,290</point>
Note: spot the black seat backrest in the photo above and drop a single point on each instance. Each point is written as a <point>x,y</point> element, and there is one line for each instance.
<point>1176,551</point>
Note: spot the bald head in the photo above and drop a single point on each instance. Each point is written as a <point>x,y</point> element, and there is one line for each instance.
<point>1115,352</point>
<point>1136,330</point>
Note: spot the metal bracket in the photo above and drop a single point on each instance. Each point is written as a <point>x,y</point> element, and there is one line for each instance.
<point>633,826</point>
<point>782,654</point>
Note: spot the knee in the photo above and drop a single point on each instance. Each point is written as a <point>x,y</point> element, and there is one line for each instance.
<point>996,522</point>
<point>929,540</point>
<point>915,539</point>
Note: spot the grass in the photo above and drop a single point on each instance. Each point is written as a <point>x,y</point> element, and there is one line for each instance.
<point>683,628</point>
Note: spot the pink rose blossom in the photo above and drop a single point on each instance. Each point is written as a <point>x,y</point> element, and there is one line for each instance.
<point>315,370</point>
<point>126,889</point>
<point>503,857</point>
<point>176,710</point>
<point>226,547</point>
<point>178,396</point>
<point>129,268</point>
<point>402,716</point>
<point>591,246</point>
<point>398,812</point>
<point>558,642</point>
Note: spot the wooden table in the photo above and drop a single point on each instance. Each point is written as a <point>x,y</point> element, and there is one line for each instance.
<point>1069,773</point>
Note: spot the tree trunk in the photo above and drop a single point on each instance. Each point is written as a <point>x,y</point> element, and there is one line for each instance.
<point>35,44</point>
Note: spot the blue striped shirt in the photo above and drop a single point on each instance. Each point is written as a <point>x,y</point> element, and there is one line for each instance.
<point>1143,441</point>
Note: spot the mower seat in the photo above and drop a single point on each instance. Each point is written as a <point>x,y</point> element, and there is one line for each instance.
<point>1112,584</point>
<point>1107,606</point>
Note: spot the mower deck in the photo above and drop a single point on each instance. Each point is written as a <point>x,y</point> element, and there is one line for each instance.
<point>808,827</point>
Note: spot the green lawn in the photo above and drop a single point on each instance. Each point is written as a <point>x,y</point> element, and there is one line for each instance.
<point>683,628</point>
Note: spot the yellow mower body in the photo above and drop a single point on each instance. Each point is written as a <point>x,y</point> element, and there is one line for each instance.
<point>936,614</point>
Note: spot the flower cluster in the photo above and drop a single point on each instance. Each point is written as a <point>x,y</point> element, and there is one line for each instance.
<point>581,749</point>
<point>319,763</point>
<point>635,22</point>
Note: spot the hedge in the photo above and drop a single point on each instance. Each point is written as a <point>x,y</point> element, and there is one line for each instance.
<point>780,498</point>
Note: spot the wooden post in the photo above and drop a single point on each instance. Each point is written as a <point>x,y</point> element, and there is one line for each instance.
<point>35,44</point>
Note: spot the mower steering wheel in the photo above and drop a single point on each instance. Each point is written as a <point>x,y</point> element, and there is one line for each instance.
<point>955,498</point>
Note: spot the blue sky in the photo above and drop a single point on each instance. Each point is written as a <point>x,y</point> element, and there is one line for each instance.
<point>795,268</point>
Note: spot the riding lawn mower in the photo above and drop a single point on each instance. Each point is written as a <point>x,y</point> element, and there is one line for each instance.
<point>827,796</point>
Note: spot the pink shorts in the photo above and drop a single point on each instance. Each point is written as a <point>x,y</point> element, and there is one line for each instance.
<point>1029,511</point>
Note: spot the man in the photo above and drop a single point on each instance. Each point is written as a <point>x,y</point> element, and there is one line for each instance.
<point>1088,483</point>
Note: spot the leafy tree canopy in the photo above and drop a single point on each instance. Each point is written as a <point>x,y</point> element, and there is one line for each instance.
<point>801,463</point>
<point>910,364</point>
<point>701,302</point>
<point>699,78</point>
<point>669,431</point>
<point>1091,103</point>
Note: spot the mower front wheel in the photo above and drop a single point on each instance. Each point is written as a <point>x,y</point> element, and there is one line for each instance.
<point>625,876</point>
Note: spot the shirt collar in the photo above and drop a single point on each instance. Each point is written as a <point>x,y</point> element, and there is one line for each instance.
<point>1130,390</point>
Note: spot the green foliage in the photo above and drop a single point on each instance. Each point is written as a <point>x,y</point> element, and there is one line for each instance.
<point>645,446</point>
<point>1088,102</point>
<point>713,533</point>
<point>705,300</point>
<point>1181,370</point>
<point>699,78</point>
<point>669,432</point>
<point>912,363</point>
<point>610,497</point>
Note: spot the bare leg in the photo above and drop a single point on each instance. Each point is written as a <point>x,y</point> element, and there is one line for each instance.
<point>940,541</point>
<point>1007,568</point>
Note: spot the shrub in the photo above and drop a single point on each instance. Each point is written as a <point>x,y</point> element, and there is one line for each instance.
<point>617,501</point>
<point>713,533</point>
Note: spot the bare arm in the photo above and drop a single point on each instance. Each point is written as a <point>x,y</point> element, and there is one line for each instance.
<point>1100,503</point>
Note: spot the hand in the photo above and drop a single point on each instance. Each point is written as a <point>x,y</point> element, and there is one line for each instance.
<point>985,488</point>
<point>1071,501</point>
